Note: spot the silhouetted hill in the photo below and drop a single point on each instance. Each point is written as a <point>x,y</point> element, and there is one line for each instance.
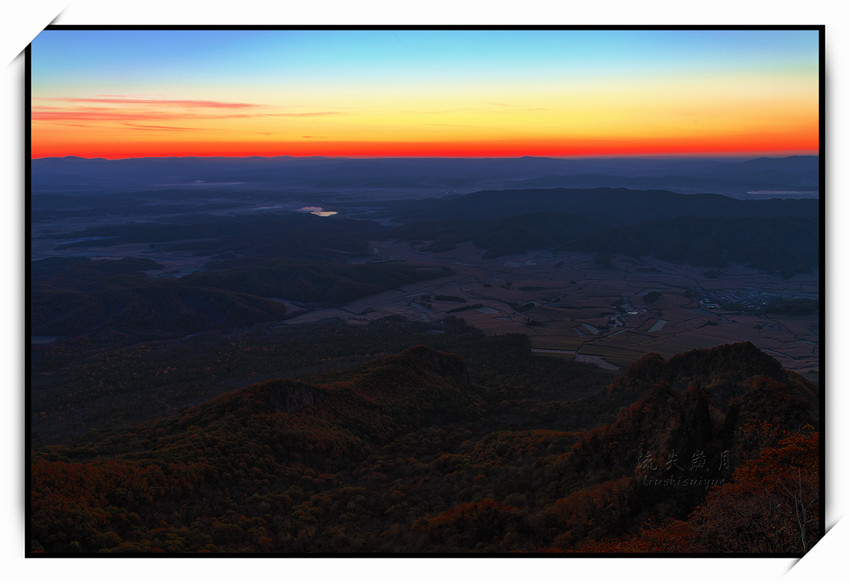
<point>709,396</point>
<point>294,235</point>
<point>80,175</point>
<point>313,283</point>
<point>114,299</point>
<point>619,206</point>
<point>499,236</point>
<point>364,407</point>
<point>642,463</point>
<point>724,372</point>
<point>790,165</point>
<point>80,296</point>
<point>62,272</point>
<point>753,401</point>
<point>707,230</point>
<point>786,245</point>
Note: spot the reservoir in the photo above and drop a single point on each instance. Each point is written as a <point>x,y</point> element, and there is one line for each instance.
<point>317,210</point>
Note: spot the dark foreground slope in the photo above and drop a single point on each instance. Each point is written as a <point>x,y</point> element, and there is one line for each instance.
<point>408,454</point>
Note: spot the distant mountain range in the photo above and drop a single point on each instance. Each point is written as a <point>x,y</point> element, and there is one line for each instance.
<point>790,177</point>
<point>618,206</point>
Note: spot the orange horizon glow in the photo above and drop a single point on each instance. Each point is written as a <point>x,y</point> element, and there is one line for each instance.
<point>492,149</point>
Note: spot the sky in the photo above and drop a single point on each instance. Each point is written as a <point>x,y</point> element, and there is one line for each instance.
<point>454,93</point>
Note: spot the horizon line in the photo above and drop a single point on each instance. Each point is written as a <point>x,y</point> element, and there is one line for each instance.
<point>430,157</point>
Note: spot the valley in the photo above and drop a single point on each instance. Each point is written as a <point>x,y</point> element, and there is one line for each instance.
<point>506,261</point>
<point>569,303</point>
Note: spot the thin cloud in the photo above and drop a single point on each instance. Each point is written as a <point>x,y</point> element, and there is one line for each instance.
<point>99,114</point>
<point>157,128</point>
<point>118,100</point>
<point>73,125</point>
<point>109,114</point>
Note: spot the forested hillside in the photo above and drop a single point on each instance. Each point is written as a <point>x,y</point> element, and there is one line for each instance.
<point>412,454</point>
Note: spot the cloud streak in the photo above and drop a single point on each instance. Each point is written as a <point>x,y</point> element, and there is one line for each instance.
<point>157,128</point>
<point>110,114</point>
<point>124,109</point>
<point>191,103</point>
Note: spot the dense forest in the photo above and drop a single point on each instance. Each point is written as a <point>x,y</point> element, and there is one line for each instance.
<point>712,451</point>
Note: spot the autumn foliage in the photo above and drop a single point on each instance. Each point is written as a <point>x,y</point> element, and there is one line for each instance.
<point>419,453</point>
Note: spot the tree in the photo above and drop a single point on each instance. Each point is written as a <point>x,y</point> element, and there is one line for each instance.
<point>771,505</point>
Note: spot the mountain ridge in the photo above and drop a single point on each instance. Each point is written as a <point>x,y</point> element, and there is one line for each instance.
<point>402,444</point>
